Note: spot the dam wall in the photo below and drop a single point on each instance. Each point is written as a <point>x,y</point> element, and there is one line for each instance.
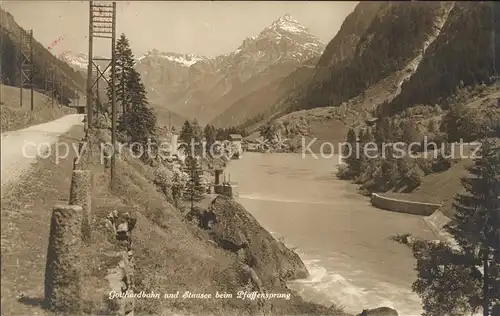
<point>403,206</point>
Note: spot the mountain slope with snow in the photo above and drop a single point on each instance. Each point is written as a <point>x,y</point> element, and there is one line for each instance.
<point>207,87</point>
<point>408,54</point>
<point>78,61</point>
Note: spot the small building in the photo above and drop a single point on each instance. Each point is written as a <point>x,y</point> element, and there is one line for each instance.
<point>236,141</point>
<point>226,188</point>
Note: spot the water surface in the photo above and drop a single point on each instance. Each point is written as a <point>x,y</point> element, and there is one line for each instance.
<point>341,238</point>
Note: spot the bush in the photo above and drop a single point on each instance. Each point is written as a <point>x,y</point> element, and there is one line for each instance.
<point>426,165</point>
<point>344,173</point>
<point>414,180</point>
<point>441,163</point>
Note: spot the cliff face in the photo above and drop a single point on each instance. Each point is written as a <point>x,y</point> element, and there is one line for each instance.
<point>271,259</point>
<point>344,44</point>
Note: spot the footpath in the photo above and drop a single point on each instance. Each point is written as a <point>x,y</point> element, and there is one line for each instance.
<point>31,186</point>
<point>20,148</point>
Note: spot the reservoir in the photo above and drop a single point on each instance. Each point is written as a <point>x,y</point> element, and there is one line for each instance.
<point>343,240</point>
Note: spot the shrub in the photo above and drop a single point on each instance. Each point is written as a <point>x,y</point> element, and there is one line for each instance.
<point>426,165</point>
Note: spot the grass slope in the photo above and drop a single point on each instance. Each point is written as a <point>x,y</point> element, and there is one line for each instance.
<point>170,253</point>
<point>14,117</point>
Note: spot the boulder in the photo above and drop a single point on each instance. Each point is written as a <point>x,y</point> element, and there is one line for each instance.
<point>238,231</point>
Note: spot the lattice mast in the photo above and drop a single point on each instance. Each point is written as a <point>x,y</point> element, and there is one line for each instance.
<point>26,66</point>
<point>102,25</point>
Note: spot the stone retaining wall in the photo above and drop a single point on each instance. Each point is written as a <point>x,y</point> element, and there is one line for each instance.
<point>403,206</point>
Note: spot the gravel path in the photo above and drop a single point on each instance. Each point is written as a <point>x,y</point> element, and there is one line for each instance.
<point>21,148</point>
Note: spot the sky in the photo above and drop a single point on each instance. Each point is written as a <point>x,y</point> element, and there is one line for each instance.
<point>208,28</point>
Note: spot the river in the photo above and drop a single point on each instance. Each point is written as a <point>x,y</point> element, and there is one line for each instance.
<point>343,240</point>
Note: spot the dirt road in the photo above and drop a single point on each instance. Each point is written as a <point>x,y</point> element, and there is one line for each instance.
<point>21,148</point>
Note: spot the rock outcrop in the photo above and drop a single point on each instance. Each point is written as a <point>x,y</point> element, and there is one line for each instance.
<point>237,231</point>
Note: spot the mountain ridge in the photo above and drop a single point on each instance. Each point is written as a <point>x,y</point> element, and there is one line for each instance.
<point>196,91</point>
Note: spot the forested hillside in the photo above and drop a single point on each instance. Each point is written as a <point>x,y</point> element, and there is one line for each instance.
<point>463,55</point>
<point>395,36</point>
<point>10,35</point>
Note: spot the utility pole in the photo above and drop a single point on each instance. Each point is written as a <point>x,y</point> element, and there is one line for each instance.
<point>26,64</point>
<point>89,67</point>
<point>62,82</point>
<point>102,25</point>
<point>53,86</point>
<point>32,70</point>
<point>47,78</point>
<point>113,97</point>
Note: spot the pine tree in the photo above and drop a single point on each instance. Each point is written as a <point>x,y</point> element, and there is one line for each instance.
<point>123,72</point>
<point>186,133</point>
<point>455,272</point>
<point>351,158</point>
<point>138,123</point>
<point>476,219</point>
<point>210,137</point>
<point>194,188</point>
<point>197,131</point>
<point>191,136</point>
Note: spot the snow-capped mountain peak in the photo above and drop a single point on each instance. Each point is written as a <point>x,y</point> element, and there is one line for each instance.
<point>184,60</point>
<point>289,24</point>
<point>284,39</point>
<point>78,61</point>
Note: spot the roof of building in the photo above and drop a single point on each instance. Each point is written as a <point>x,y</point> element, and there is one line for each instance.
<point>235,136</point>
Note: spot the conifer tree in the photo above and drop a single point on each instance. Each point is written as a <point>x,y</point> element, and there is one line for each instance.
<point>197,131</point>
<point>138,123</point>
<point>186,133</point>
<point>351,158</point>
<point>459,280</point>
<point>190,136</point>
<point>210,136</point>
<point>123,71</point>
<point>194,188</point>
